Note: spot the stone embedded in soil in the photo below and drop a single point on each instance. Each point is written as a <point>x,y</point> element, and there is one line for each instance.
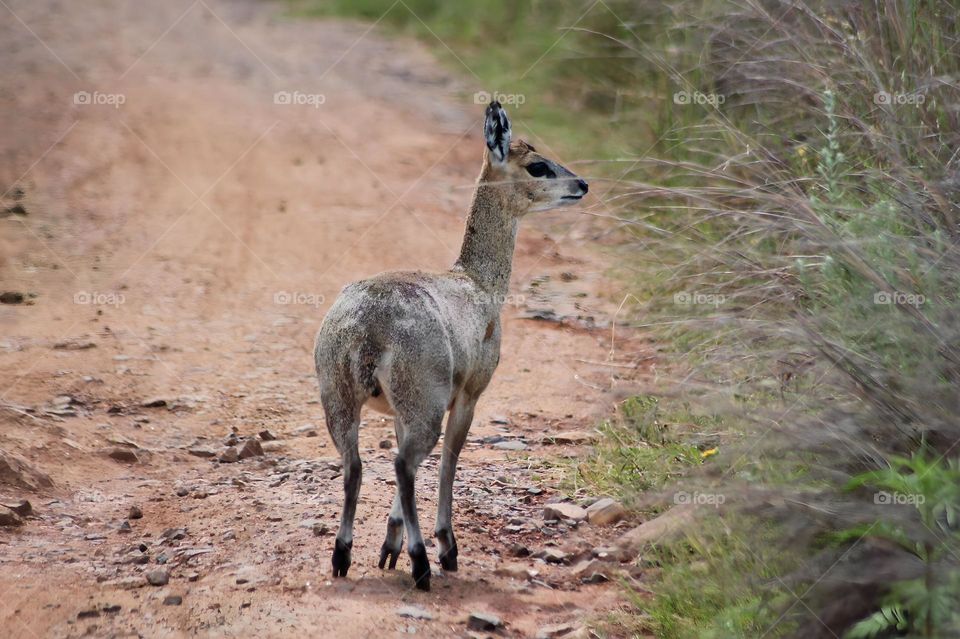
<point>154,402</point>
<point>570,437</point>
<point>124,527</point>
<point>230,455</point>
<point>251,448</point>
<point>202,452</point>
<point>172,600</point>
<point>307,430</point>
<point>17,471</point>
<point>483,621</point>
<point>12,297</point>
<point>23,507</point>
<point>510,444</point>
<point>667,527</point>
<point>564,510</point>
<point>267,436</point>
<point>556,630</point>
<point>605,512</point>
<point>10,518</point>
<point>513,571</point>
<point>385,444</point>
<point>124,455</point>
<point>413,612</point>
<point>499,419</point>
<point>158,577</point>
<point>135,513</point>
<point>590,571</point>
<point>518,550</point>
<point>552,556</point>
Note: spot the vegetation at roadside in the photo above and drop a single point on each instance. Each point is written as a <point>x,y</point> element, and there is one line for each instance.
<point>786,174</point>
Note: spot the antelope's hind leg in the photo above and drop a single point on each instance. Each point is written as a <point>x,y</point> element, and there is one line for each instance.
<point>343,422</point>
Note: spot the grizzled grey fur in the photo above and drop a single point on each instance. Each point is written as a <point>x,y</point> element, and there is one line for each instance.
<point>417,345</point>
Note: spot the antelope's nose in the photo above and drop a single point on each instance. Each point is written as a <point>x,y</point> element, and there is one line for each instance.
<point>583,186</point>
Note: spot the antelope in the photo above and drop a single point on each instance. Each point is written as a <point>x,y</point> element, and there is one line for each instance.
<point>418,345</point>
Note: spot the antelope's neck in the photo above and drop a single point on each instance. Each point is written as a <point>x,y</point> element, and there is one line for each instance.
<point>489,241</point>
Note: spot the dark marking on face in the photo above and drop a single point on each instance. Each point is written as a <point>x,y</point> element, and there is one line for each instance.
<point>541,169</point>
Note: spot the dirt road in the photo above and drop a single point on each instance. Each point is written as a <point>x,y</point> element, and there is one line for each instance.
<point>188,184</point>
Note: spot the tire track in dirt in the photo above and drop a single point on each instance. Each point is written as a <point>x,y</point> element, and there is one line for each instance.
<point>212,306</point>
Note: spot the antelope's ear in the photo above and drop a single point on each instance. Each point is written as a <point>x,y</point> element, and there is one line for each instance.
<point>496,130</point>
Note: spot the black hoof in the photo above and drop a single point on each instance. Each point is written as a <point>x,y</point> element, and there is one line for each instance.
<point>341,558</point>
<point>386,552</point>
<point>448,560</point>
<point>421,567</point>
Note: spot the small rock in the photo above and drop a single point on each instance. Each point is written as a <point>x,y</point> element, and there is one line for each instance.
<point>135,513</point>
<point>202,452</point>
<point>569,437</point>
<point>414,612</point>
<point>251,448</point>
<point>605,512</point>
<point>320,530</point>
<point>124,527</point>
<point>556,630</point>
<point>664,528</point>
<point>158,577</point>
<point>510,444</point>
<point>590,571</point>
<point>183,491</point>
<point>267,436</point>
<point>499,419</point>
<point>172,600</point>
<point>483,621</point>
<point>307,430</point>
<point>564,510</point>
<point>518,550</point>
<point>22,508</point>
<point>385,444</point>
<point>10,518</point>
<point>193,576</point>
<point>12,297</point>
<point>124,455</point>
<point>513,571</point>
<point>552,556</point>
<point>229,455</point>
<point>88,614</point>
<point>155,402</point>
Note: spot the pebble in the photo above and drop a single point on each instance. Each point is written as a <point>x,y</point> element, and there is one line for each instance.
<point>230,455</point>
<point>605,512</point>
<point>483,621</point>
<point>413,612</point>
<point>552,556</point>
<point>307,430</point>
<point>158,577</point>
<point>124,527</point>
<point>135,513</point>
<point>172,600</point>
<point>251,448</point>
<point>510,444</point>
<point>385,444</point>
<point>564,510</point>
<point>267,436</point>
<point>202,452</point>
<point>555,630</point>
<point>154,402</point>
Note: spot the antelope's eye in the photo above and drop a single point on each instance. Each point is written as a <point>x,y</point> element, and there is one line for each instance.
<point>540,169</point>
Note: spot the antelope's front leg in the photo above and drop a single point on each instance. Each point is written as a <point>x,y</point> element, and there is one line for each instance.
<point>458,425</point>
